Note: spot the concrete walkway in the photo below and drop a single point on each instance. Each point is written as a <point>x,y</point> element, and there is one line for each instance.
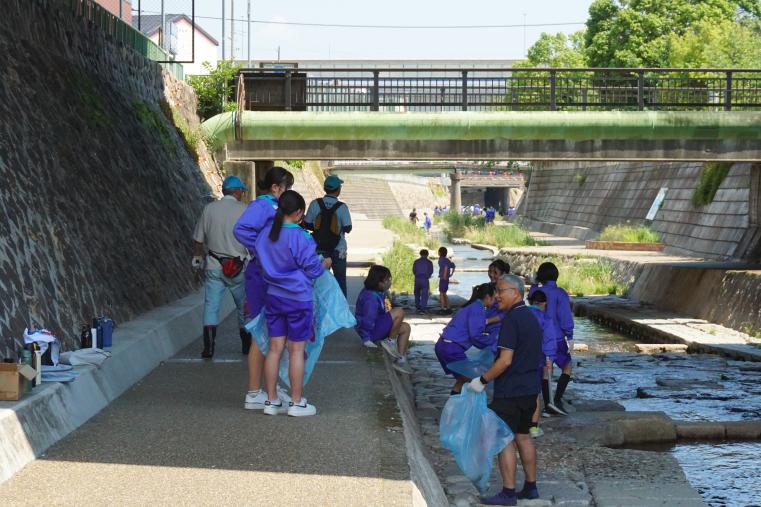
<point>181,436</point>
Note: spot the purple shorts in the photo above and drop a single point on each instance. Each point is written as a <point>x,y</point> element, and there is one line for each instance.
<point>443,286</point>
<point>256,289</point>
<point>292,319</point>
<point>562,356</point>
<point>448,353</point>
<point>382,327</point>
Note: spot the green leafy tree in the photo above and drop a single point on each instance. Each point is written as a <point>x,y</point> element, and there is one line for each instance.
<point>716,44</point>
<point>215,88</point>
<point>558,50</point>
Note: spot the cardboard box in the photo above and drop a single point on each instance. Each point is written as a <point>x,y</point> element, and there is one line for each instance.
<point>14,380</point>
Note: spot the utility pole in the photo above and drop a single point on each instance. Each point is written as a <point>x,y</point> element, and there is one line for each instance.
<point>232,30</point>
<point>524,36</point>
<point>223,30</point>
<point>162,35</point>
<point>248,32</point>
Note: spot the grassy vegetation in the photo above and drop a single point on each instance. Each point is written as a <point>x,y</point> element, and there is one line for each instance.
<point>437,189</point>
<point>409,232</point>
<point>629,234</point>
<point>399,259</point>
<point>191,137</point>
<point>475,229</point>
<point>711,176</point>
<point>751,330</point>
<point>92,101</point>
<point>316,170</point>
<point>151,120</point>
<point>587,276</point>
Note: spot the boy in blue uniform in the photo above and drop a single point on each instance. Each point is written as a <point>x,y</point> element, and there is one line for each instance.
<point>559,324</point>
<point>422,268</point>
<point>427,223</point>
<point>467,329</point>
<point>289,261</point>
<point>446,268</point>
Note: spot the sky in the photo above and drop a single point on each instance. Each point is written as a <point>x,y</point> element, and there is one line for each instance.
<point>304,42</point>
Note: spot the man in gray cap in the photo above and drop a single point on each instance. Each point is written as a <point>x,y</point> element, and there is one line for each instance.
<point>330,220</point>
<point>222,257</point>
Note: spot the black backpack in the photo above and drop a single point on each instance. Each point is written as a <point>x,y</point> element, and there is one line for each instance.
<point>327,230</point>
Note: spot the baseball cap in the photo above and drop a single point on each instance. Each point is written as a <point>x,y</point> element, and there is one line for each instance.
<point>233,183</point>
<point>332,182</point>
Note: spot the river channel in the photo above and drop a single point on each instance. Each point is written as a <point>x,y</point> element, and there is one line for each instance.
<point>696,387</point>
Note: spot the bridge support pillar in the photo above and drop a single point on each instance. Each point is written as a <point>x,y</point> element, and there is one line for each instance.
<point>455,192</point>
<point>504,199</point>
<point>261,168</point>
<point>243,169</point>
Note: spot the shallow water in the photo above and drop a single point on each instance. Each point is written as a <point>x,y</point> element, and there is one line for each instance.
<point>715,389</point>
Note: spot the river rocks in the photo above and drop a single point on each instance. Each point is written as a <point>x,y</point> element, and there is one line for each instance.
<point>598,406</point>
<point>682,383</point>
<point>652,348</point>
<point>700,430</point>
<point>584,379</point>
<point>743,430</point>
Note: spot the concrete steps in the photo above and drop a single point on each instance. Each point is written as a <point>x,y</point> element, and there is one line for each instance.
<point>369,197</point>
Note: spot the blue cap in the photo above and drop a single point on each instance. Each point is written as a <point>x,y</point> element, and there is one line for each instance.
<point>233,183</point>
<point>332,182</point>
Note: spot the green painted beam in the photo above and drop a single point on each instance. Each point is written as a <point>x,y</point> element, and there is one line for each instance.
<point>468,126</point>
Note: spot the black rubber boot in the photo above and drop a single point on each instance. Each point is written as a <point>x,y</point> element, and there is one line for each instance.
<point>546,391</point>
<point>560,390</point>
<point>209,337</point>
<point>245,341</point>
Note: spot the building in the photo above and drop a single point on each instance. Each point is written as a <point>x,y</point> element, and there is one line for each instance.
<point>178,40</point>
<point>120,8</point>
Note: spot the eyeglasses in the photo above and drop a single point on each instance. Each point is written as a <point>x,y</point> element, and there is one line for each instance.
<point>506,288</point>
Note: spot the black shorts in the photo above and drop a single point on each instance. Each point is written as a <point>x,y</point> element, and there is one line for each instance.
<point>516,412</point>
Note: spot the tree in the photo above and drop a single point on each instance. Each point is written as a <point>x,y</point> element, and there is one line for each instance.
<point>639,33</point>
<point>558,50</point>
<point>716,44</point>
<point>215,88</point>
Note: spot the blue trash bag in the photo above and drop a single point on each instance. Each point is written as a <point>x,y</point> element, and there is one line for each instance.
<point>474,434</point>
<point>331,313</point>
<point>476,364</point>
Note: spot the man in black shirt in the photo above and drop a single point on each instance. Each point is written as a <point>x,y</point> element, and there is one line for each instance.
<point>516,385</point>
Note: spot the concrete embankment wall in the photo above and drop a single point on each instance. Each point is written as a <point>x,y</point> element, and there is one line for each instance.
<point>594,195</point>
<point>99,194</point>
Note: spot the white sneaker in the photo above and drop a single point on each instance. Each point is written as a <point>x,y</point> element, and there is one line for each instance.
<point>369,344</point>
<point>301,409</point>
<point>274,407</point>
<point>255,400</point>
<point>283,394</point>
<point>389,346</point>
<point>402,365</point>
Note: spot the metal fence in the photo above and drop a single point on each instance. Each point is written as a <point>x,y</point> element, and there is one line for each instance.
<point>405,89</point>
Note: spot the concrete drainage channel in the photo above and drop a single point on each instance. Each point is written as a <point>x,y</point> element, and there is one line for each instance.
<point>28,427</point>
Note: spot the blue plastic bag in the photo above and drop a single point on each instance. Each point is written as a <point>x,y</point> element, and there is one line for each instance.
<point>475,365</point>
<point>331,313</point>
<point>474,434</point>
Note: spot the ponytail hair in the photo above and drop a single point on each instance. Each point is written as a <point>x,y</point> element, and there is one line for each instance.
<point>290,202</point>
<point>275,176</point>
<point>480,292</point>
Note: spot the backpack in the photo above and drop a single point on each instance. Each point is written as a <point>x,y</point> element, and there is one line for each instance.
<point>327,230</point>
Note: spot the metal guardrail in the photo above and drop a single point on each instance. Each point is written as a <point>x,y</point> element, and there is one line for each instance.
<point>509,89</point>
<point>123,33</point>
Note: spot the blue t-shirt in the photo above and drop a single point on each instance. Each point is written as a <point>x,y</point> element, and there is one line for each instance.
<point>521,333</point>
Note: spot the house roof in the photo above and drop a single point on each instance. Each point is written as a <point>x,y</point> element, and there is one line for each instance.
<point>150,24</point>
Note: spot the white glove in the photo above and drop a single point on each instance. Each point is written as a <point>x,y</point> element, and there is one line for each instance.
<point>197,262</point>
<point>476,385</point>
<point>327,262</point>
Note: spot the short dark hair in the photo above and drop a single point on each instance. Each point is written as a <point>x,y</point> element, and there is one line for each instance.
<point>443,251</point>
<point>376,275</point>
<point>423,253</point>
<point>500,265</point>
<point>547,272</point>
<point>537,297</point>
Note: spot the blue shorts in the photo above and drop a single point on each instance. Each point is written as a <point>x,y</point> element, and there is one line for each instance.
<point>562,356</point>
<point>256,289</point>
<point>382,327</point>
<point>448,353</point>
<point>292,319</point>
<point>443,286</point>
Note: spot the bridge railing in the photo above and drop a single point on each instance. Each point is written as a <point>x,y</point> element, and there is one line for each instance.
<point>509,89</point>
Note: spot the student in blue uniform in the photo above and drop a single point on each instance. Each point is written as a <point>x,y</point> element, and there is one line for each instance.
<point>427,223</point>
<point>559,322</point>
<point>538,304</point>
<point>289,261</point>
<point>496,269</point>
<point>422,269</point>
<point>446,268</point>
<point>258,215</point>
<point>377,322</point>
<point>467,329</point>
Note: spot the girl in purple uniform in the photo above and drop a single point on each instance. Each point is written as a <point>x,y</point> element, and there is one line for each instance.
<point>467,329</point>
<point>376,323</point>
<point>446,268</point>
<point>496,269</point>
<point>258,215</point>
<point>538,304</point>
<point>559,324</point>
<point>289,263</point>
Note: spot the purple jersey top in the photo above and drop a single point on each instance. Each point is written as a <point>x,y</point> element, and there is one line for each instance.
<point>289,264</point>
<point>443,262</point>
<point>467,327</point>
<point>371,305</point>
<point>422,268</point>
<point>558,315</point>
<point>258,215</point>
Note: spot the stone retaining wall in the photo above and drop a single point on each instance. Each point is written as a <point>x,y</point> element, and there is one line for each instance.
<point>99,194</point>
<point>594,195</point>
